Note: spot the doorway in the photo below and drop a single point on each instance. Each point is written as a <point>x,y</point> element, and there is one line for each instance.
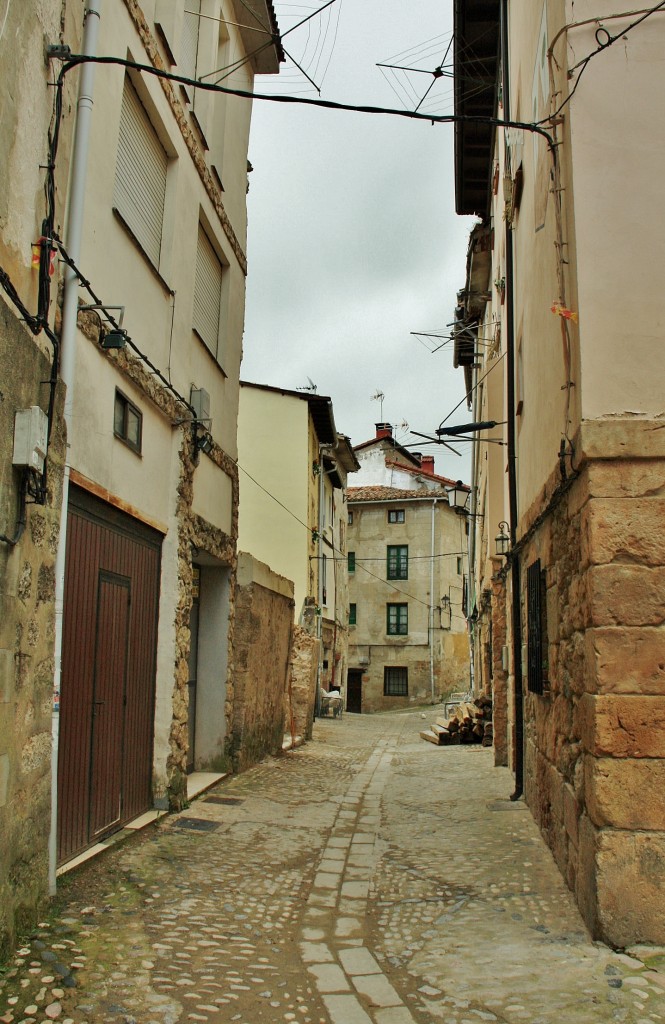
<point>109,647</point>
<point>354,691</point>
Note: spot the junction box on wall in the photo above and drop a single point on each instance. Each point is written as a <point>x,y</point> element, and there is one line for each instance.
<point>30,438</point>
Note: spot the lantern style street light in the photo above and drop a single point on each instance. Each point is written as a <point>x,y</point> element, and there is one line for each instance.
<point>502,541</point>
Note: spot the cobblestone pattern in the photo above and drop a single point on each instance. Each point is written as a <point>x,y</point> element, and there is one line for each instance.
<point>367,878</point>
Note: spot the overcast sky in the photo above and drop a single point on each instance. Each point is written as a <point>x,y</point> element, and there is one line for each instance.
<point>353,238</point>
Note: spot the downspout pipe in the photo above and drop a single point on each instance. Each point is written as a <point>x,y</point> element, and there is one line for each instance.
<point>431,607</point>
<point>73,235</point>
<point>512,453</point>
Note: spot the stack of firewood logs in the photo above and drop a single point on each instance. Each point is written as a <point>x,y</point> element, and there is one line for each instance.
<point>466,722</point>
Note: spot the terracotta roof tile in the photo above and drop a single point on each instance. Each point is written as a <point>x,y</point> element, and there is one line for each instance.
<point>378,493</point>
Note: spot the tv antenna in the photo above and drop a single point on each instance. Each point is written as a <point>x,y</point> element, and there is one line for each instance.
<point>378,396</point>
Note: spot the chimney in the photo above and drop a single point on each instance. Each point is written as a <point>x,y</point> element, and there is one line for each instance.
<point>383,430</point>
<point>427,464</point>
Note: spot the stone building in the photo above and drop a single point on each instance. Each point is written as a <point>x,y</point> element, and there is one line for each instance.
<point>30,492</point>
<point>407,572</point>
<point>558,338</point>
<point>293,472</point>
<point>149,318</point>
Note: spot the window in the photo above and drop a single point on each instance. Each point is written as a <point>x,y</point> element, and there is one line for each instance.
<point>351,561</point>
<point>324,579</point>
<point>398,562</point>
<point>460,565</point>
<point>397,619</point>
<point>395,681</point>
<point>395,515</point>
<point>350,517</point>
<point>207,294</point>
<point>352,614</point>
<point>537,644</point>
<point>189,46</point>
<point>127,421</point>
<point>140,175</point>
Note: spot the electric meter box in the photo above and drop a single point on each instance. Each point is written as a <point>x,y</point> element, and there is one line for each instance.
<point>30,438</point>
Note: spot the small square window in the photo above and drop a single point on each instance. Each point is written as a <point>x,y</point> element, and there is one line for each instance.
<point>395,681</point>
<point>395,515</point>
<point>397,619</point>
<point>127,422</point>
<point>352,615</point>
<point>350,517</point>
<point>351,561</point>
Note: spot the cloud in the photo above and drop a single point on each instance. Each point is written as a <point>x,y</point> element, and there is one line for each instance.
<point>353,239</point>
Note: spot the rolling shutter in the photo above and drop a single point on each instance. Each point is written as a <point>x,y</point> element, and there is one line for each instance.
<point>207,293</point>
<point>140,176</point>
<point>190,38</point>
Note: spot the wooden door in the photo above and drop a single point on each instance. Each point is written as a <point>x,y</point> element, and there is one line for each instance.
<point>354,691</point>
<point>109,650</point>
<point>108,702</point>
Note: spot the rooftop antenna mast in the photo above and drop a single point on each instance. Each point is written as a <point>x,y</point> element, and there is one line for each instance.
<point>378,396</point>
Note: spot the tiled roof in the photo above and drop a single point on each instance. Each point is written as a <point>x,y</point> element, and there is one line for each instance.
<point>378,493</point>
<point>421,472</point>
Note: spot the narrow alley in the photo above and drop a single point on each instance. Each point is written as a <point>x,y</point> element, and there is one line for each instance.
<point>365,878</point>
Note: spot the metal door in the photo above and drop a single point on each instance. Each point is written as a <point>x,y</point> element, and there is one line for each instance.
<point>354,690</point>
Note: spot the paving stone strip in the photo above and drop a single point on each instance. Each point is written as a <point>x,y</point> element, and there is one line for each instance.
<point>366,878</point>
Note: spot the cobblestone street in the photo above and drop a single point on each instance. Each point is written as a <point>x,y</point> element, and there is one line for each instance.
<point>365,878</point>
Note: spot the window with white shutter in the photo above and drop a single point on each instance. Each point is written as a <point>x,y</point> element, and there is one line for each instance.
<point>189,46</point>
<point>140,175</point>
<point>207,293</point>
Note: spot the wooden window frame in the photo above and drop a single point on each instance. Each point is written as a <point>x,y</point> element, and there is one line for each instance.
<point>127,406</point>
<point>397,562</point>
<point>351,561</point>
<point>353,614</point>
<point>397,621</point>
<point>396,515</point>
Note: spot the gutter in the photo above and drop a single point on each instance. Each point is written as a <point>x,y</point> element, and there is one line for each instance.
<point>512,453</point>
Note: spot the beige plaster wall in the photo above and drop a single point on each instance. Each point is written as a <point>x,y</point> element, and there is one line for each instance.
<point>370,647</point>
<point>274,448</point>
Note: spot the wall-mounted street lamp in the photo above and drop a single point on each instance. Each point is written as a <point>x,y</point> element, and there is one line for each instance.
<point>116,337</point>
<point>502,541</point>
<point>458,495</point>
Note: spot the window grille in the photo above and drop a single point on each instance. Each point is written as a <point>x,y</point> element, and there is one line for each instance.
<point>395,681</point>
<point>537,641</point>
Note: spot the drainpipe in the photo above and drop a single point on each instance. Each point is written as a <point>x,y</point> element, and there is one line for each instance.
<point>512,454</point>
<point>73,235</point>
<point>431,608</point>
<point>471,545</point>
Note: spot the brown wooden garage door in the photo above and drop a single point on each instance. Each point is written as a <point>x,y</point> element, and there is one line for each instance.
<point>108,672</point>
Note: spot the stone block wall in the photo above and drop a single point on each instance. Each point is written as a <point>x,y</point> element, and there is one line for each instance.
<point>263,623</point>
<point>301,693</point>
<point>27,618</point>
<point>595,741</point>
<point>499,673</point>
